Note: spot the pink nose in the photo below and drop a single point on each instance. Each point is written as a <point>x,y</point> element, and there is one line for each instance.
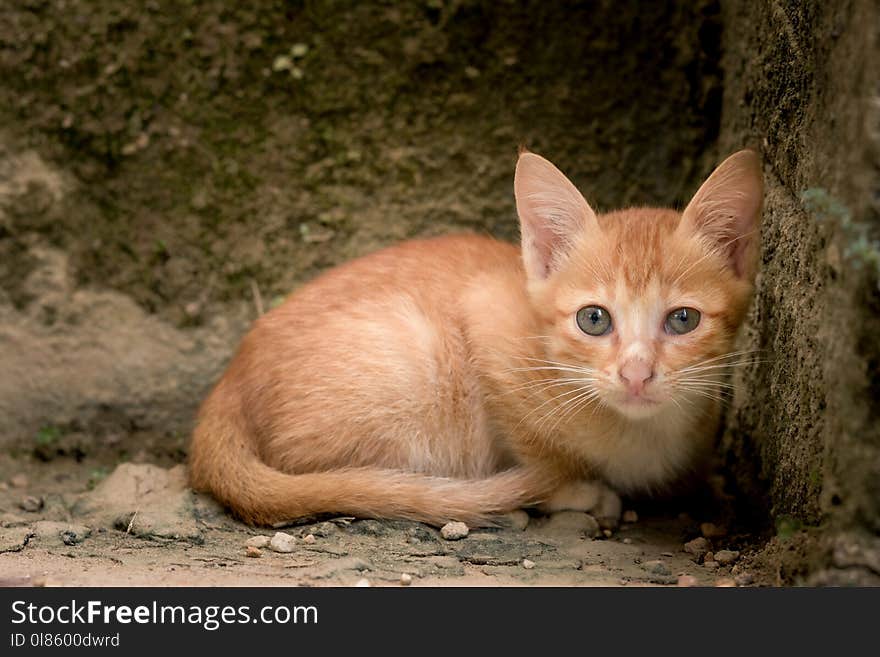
<point>635,374</point>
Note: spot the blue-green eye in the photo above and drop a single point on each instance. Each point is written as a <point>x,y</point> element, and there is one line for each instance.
<point>683,320</point>
<point>594,320</point>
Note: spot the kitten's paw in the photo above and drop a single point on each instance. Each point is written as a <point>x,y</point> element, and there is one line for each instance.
<point>592,497</point>
<point>608,508</point>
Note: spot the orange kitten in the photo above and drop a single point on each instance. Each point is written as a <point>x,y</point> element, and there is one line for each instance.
<point>459,377</point>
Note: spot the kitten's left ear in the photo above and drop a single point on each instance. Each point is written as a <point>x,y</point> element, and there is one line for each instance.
<point>726,210</point>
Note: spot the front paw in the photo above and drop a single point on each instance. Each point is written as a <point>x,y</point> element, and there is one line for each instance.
<point>592,497</point>
<point>608,508</point>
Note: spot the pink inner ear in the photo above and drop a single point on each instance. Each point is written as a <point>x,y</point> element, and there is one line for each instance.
<point>552,212</point>
<point>726,210</point>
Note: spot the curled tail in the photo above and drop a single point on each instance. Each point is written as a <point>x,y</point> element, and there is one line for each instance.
<point>224,463</point>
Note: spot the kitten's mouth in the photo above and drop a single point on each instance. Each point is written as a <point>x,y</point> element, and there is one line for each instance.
<point>637,399</point>
<point>636,405</point>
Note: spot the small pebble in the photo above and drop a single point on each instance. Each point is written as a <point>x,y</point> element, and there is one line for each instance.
<point>711,565</point>
<point>656,567</point>
<point>31,503</point>
<point>19,481</point>
<point>735,570</point>
<point>744,579</point>
<point>253,552</point>
<point>405,579</point>
<point>363,583</point>
<point>725,582</point>
<point>627,541</point>
<point>726,557</point>
<point>630,516</point>
<point>453,531</point>
<point>697,547</point>
<point>666,554</point>
<point>711,530</point>
<point>309,539</point>
<point>282,542</point>
<point>686,580</point>
<point>528,564</point>
<point>257,541</point>
<point>607,533</point>
<point>299,50</point>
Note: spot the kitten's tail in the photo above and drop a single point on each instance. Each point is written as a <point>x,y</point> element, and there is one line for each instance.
<point>224,463</point>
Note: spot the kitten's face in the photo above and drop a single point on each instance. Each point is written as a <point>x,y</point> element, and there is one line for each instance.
<point>641,305</point>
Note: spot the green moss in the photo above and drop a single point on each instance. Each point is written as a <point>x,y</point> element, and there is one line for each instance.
<point>48,435</point>
<point>860,250</point>
<point>787,526</point>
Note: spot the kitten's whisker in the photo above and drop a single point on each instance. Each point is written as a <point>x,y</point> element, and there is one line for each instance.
<point>574,409</point>
<point>538,389</point>
<point>708,388</point>
<point>547,367</point>
<point>708,395</point>
<point>710,383</point>
<point>706,368</point>
<point>561,411</point>
<point>582,392</point>
<point>732,354</point>
<point>552,381</point>
<point>548,401</point>
<point>554,362</point>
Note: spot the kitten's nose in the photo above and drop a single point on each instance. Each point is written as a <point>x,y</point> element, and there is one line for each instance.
<point>635,374</point>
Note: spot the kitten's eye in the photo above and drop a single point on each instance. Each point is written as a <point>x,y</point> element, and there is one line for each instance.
<point>683,320</point>
<point>594,320</point>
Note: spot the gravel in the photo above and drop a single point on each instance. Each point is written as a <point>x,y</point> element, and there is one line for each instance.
<point>257,541</point>
<point>528,564</point>
<point>656,567</point>
<point>282,542</point>
<point>31,504</point>
<point>454,531</point>
<point>253,552</point>
<point>744,579</point>
<point>19,481</point>
<point>697,547</point>
<point>686,580</point>
<point>405,579</point>
<point>711,530</point>
<point>726,557</point>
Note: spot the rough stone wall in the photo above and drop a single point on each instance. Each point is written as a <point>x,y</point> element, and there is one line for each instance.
<point>801,85</point>
<point>216,153</point>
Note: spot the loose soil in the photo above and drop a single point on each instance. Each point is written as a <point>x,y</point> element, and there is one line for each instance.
<point>140,526</point>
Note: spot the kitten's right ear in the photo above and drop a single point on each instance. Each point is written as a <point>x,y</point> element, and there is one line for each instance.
<point>726,211</point>
<point>551,212</point>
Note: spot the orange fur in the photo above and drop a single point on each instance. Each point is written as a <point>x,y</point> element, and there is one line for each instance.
<point>447,378</point>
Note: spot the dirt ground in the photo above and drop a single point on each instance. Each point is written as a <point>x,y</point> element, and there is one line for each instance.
<point>168,171</point>
<point>71,524</point>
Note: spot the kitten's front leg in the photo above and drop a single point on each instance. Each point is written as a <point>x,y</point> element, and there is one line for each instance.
<point>593,497</point>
